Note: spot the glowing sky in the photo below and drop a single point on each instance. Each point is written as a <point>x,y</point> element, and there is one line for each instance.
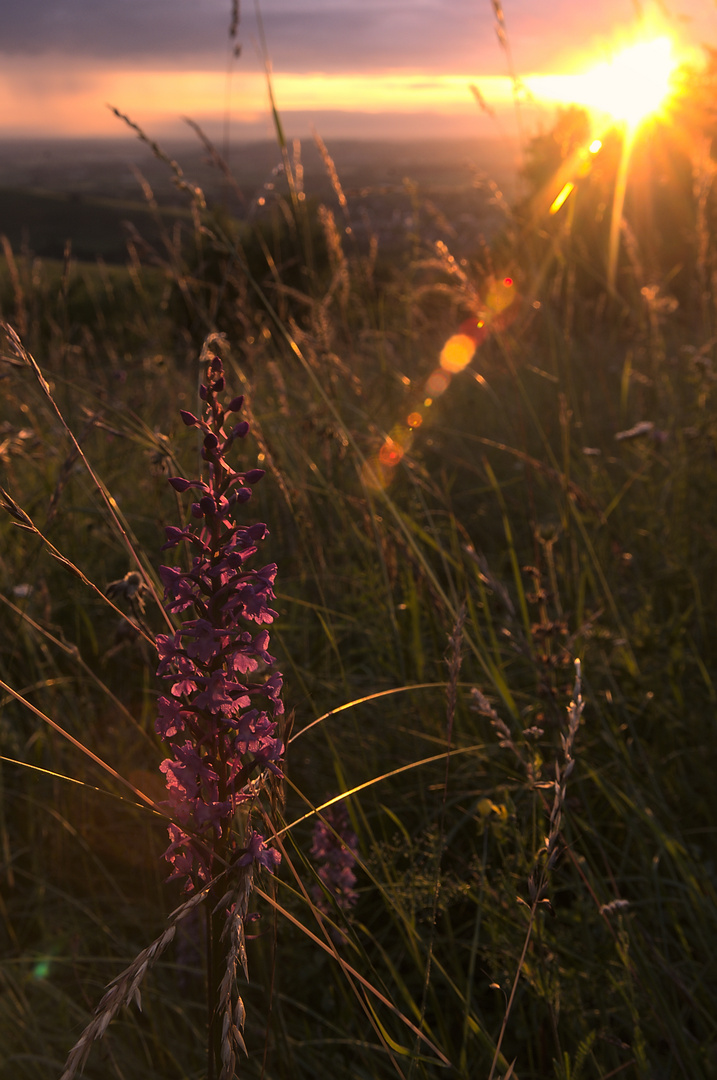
<point>391,67</point>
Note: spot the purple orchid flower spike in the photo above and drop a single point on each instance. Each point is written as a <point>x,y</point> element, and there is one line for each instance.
<point>219,712</point>
<point>334,849</point>
<point>218,719</point>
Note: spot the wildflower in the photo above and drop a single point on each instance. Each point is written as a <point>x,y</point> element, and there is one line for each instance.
<point>256,849</point>
<point>335,844</point>
<point>219,715</point>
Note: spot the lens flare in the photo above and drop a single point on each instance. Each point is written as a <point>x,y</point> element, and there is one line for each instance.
<point>457,353</point>
<point>390,453</point>
<point>41,969</point>
<point>501,305</point>
<point>561,197</point>
<point>374,475</point>
<point>437,383</point>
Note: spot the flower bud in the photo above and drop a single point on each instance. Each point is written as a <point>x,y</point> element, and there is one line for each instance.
<point>179,483</point>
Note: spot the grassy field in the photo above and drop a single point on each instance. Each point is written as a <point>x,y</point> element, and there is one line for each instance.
<point>437,580</point>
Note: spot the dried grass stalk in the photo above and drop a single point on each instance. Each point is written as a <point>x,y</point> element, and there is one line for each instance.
<point>124,989</point>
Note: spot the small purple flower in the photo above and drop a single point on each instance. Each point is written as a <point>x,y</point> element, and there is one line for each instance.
<point>219,716</point>
<point>256,849</point>
<point>169,720</point>
<point>179,589</point>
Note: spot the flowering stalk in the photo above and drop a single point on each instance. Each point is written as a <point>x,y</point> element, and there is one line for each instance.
<point>219,722</point>
<point>219,716</point>
<point>334,848</point>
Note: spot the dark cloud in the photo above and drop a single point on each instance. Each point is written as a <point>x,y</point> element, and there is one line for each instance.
<point>306,35</point>
<point>362,36</point>
<point>328,35</point>
<point>114,29</point>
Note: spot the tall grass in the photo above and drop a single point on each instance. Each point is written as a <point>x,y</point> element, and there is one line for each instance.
<point>536,891</point>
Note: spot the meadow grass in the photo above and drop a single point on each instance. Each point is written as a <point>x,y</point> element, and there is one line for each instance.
<point>527,922</point>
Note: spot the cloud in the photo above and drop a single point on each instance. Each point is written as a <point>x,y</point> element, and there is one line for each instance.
<point>309,35</point>
<point>70,102</point>
<point>107,29</point>
<point>356,64</point>
<point>302,35</point>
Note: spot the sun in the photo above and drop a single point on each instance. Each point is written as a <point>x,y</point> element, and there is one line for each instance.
<point>628,86</point>
<point>635,83</point>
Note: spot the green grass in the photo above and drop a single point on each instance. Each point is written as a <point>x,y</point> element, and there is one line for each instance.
<point>556,554</point>
<point>44,221</point>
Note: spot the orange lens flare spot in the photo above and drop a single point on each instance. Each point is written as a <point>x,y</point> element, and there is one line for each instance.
<point>499,296</point>
<point>374,475</point>
<point>457,353</point>
<point>561,197</point>
<point>414,420</point>
<point>427,403</point>
<point>595,146</point>
<point>390,453</point>
<point>438,382</point>
<point>473,329</point>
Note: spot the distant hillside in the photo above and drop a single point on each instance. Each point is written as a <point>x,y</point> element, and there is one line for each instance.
<point>105,167</point>
<point>42,222</point>
<point>86,191</point>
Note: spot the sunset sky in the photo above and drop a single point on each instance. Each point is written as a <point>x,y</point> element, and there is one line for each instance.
<point>390,68</point>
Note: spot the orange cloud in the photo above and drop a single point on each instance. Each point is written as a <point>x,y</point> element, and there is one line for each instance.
<point>47,99</point>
